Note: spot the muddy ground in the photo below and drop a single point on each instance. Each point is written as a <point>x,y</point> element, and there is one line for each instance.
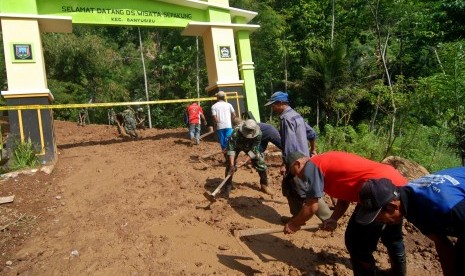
<point>116,206</point>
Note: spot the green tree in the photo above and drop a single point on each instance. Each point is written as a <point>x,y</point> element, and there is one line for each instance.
<point>325,75</point>
<point>447,93</point>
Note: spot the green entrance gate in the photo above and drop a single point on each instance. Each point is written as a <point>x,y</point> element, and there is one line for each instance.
<point>225,32</point>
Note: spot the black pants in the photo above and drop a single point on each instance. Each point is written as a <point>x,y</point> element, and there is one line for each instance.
<point>228,185</point>
<point>362,240</point>
<point>457,219</point>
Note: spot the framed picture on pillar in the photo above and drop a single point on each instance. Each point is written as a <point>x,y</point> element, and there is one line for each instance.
<point>22,52</point>
<point>225,52</point>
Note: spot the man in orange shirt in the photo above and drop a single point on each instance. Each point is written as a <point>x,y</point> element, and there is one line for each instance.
<point>341,175</point>
<point>195,113</point>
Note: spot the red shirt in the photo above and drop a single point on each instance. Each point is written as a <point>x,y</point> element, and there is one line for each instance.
<point>194,111</point>
<point>344,173</point>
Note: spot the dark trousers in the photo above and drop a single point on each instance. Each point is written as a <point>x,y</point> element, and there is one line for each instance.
<point>458,230</point>
<point>362,240</point>
<point>257,165</point>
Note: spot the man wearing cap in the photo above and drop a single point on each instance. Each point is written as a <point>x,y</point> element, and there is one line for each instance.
<point>341,175</point>
<point>292,129</point>
<point>271,134</point>
<point>246,137</point>
<point>294,132</point>
<point>435,204</point>
<point>223,114</point>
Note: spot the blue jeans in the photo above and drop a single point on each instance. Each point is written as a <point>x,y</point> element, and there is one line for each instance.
<point>361,241</point>
<point>194,131</point>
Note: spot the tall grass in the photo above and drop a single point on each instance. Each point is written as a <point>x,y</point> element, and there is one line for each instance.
<point>24,156</point>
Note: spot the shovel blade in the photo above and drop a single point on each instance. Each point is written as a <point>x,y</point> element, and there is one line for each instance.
<point>209,196</point>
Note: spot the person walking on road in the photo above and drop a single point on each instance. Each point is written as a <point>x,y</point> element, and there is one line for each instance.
<point>341,175</point>
<point>195,116</point>
<point>223,113</point>
<point>435,204</point>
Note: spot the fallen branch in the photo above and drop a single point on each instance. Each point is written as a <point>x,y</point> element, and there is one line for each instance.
<point>13,222</point>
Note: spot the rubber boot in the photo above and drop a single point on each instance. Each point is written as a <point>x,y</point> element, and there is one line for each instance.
<point>228,185</point>
<point>264,182</point>
<point>363,269</point>
<point>398,264</point>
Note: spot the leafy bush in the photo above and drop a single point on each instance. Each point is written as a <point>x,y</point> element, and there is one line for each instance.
<point>428,146</point>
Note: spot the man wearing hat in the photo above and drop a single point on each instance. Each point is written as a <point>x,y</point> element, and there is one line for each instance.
<point>246,137</point>
<point>435,204</point>
<point>341,175</point>
<point>292,129</point>
<point>223,114</point>
<point>293,132</point>
<point>271,134</point>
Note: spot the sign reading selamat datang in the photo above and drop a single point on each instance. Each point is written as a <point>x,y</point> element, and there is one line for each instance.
<point>112,12</point>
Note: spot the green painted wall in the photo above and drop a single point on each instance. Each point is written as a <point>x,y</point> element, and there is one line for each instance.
<point>110,12</point>
<point>218,15</point>
<point>247,71</point>
<point>18,6</point>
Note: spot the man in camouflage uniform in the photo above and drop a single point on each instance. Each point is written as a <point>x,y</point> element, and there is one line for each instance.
<point>129,122</point>
<point>125,119</point>
<point>140,117</point>
<point>111,116</point>
<point>246,137</point>
<point>82,117</point>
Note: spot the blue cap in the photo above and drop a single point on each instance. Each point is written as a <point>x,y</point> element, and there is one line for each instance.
<point>277,97</point>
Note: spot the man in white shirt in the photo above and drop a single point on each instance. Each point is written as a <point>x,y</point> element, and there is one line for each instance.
<point>223,114</point>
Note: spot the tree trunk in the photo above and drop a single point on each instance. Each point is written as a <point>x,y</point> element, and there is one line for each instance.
<point>382,50</point>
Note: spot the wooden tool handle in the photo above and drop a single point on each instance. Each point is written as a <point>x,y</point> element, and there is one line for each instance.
<point>206,134</point>
<point>221,185</point>
<point>261,231</point>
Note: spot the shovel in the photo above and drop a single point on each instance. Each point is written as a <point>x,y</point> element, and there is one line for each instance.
<point>209,131</point>
<point>252,232</point>
<point>262,231</point>
<point>212,196</point>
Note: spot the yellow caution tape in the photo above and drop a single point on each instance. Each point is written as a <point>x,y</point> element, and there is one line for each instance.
<point>93,105</point>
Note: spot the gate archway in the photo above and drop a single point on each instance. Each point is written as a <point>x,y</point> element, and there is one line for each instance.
<point>225,32</point>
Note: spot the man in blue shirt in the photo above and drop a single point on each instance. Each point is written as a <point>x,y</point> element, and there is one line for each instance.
<point>271,134</point>
<point>293,134</point>
<point>435,204</point>
<point>292,129</point>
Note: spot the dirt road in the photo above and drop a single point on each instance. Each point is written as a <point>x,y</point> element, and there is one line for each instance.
<point>135,207</point>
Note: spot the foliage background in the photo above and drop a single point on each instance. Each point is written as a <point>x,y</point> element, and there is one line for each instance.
<point>375,77</point>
